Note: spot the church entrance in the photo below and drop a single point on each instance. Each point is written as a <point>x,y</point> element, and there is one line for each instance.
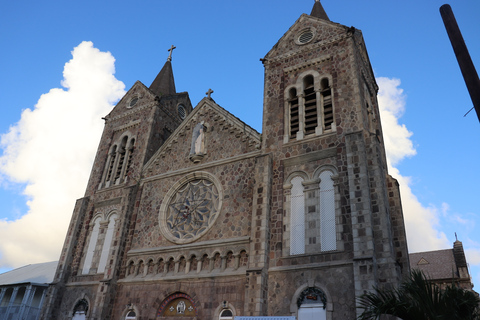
<point>312,312</point>
<point>311,304</point>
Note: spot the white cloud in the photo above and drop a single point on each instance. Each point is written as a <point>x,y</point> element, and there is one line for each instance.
<point>422,223</point>
<point>473,256</point>
<point>51,149</point>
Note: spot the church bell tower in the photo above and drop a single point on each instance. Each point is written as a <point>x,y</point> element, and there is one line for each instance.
<point>338,207</point>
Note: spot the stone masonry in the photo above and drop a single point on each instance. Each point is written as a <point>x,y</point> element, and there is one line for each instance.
<point>189,213</point>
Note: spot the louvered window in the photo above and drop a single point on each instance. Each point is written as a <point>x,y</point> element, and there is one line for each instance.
<point>327,108</point>
<point>310,106</point>
<point>294,113</point>
<point>122,151</point>
<point>113,155</point>
<point>130,155</point>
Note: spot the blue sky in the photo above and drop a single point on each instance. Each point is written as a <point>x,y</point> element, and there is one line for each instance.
<point>219,44</point>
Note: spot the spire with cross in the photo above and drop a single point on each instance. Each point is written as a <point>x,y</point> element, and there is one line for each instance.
<point>209,93</point>
<point>171,51</point>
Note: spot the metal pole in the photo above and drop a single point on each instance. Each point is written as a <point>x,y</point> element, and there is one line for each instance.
<point>463,56</point>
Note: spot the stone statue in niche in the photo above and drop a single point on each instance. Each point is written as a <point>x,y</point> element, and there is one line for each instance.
<point>197,149</point>
<point>181,307</point>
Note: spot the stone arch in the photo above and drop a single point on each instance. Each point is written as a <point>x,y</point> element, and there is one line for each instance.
<point>224,305</point>
<point>205,262</point>
<point>81,309</point>
<point>288,182</point>
<point>129,308</point>
<point>182,264</point>
<point>329,208</point>
<point>243,258</point>
<point>94,230</point>
<point>141,268</point>
<point>172,306</point>
<point>150,266</point>
<point>130,268</point>
<point>318,289</point>
<point>327,167</point>
<point>230,260</point>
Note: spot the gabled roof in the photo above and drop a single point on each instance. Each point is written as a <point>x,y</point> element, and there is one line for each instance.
<point>436,265</point>
<point>222,117</point>
<point>337,30</point>
<point>32,273</point>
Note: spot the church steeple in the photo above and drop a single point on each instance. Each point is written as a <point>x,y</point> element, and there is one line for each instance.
<point>164,84</point>
<point>318,11</point>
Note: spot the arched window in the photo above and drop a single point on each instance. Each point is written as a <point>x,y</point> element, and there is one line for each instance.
<point>19,296</point>
<point>310,105</point>
<point>107,244</point>
<point>122,150</point>
<point>327,105</point>
<point>226,314</point>
<point>111,163</point>
<point>7,297</point>
<point>293,112</point>
<point>297,217</point>
<point>118,162</point>
<point>87,264</point>
<point>328,232</point>
<point>130,155</point>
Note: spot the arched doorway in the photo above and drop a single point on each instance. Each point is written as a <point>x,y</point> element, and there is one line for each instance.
<point>80,310</point>
<point>178,305</point>
<point>311,304</point>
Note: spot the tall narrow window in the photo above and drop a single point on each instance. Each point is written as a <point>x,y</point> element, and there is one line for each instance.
<point>91,247</point>
<point>294,114</point>
<point>310,105</point>
<point>327,104</point>
<point>113,155</point>
<point>327,212</point>
<point>297,217</point>
<point>130,155</point>
<point>107,244</point>
<point>6,297</point>
<point>121,161</point>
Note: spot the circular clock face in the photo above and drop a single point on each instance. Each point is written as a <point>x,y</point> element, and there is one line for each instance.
<point>191,210</point>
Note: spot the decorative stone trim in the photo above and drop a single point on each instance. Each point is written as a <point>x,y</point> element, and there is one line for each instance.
<point>308,64</point>
<point>129,125</point>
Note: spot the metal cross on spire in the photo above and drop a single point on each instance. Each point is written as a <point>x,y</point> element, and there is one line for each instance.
<point>209,93</point>
<point>170,54</point>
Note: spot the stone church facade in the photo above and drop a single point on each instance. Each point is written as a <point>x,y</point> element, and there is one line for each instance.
<point>190,213</point>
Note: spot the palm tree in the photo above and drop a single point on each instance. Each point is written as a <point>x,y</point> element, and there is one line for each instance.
<point>418,299</point>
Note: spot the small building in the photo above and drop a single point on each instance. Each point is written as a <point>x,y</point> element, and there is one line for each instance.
<point>22,290</point>
<point>444,267</point>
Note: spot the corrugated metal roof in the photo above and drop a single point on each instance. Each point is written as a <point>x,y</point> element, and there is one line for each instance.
<point>34,273</point>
